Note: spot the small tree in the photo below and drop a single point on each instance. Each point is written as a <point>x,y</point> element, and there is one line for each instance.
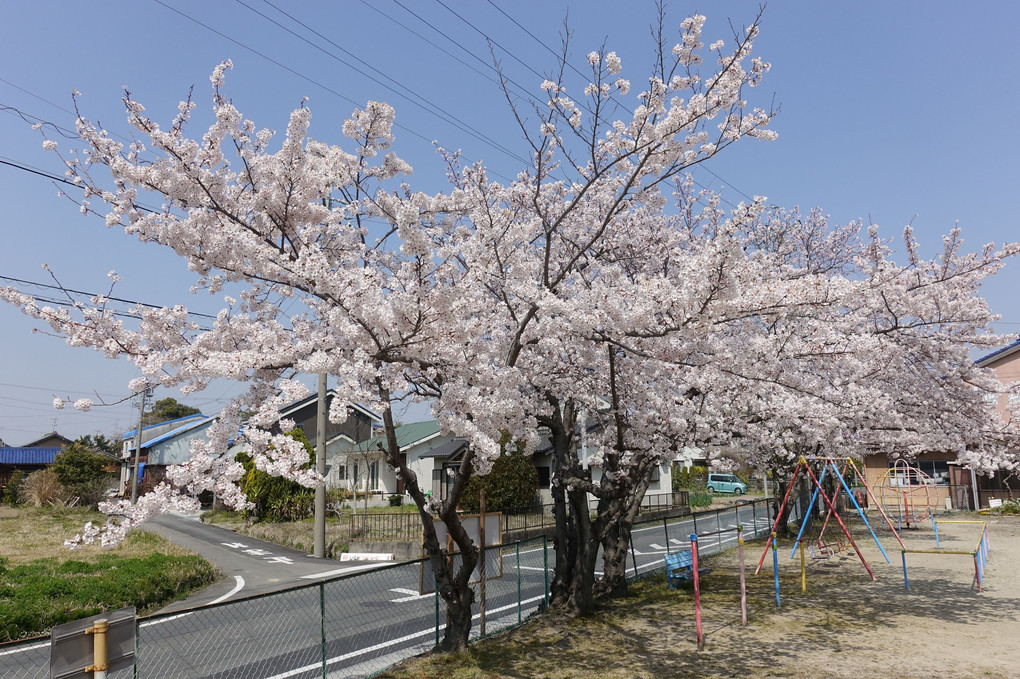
<point>167,409</point>
<point>83,472</point>
<point>513,482</point>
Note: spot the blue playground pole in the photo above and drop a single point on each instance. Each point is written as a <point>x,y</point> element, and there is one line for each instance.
<point>807,514</point>
<point>906,584</point>
<point>775,566</point>
<point>861,513</point>
<point>935,527</point>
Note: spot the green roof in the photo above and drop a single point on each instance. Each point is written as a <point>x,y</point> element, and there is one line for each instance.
<point>407,435</point>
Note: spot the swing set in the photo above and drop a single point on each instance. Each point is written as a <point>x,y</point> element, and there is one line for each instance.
<point>822,550</point>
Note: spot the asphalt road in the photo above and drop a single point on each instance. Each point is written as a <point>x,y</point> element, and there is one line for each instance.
<point>367,622</point>
<point>249,566</point>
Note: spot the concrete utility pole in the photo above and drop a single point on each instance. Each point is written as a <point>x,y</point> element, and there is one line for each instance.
<point>138,448</point>
<point>319,549</point>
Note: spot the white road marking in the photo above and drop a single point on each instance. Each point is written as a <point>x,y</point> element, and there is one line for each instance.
<point>238,586</point>
<point>394,642</point>
<point>342,571</point>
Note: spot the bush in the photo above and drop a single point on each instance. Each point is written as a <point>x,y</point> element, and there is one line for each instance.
<point>14,493</point>
<point>37,595</point>
<point>83,473</point>
<point>276,498</point>
<point>699,499</point>
<point>689,477</point>
<point>42,488</point>
<point>396,500</point>
<point>512,482</point>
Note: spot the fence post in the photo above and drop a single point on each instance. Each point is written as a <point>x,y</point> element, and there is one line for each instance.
<point>665,532</point>
<point>518,582</point>
<point>545,567</point>
<point>697,591</point>
<point>743,581</point>
<point>435,586</point>
<point>694,518</point>
<point>754,516</point>
<point>322,624</point>
<point>633,556</point>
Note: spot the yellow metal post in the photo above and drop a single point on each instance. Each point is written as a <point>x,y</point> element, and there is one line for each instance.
<point>100,661</point>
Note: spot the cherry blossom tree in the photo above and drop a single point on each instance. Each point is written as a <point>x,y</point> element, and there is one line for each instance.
<point>598,275</point>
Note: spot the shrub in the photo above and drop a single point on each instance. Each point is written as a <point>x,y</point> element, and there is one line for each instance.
<point>512,482</point>
<point>83,472</point>
<point>14,495</point>
<point>42,488</point>
<point>276,498</point>
<point>396,500</point>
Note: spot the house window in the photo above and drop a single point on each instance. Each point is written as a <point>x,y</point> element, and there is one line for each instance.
<point>544,475</point>
<point>341,472</point>
<point>373,476</point>
<point>936,470</point>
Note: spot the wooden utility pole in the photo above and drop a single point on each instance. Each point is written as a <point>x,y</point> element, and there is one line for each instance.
<point>138,448</point>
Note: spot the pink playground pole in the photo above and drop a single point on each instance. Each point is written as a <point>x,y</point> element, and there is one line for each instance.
<point>743,587</point>
<point>697,591</point>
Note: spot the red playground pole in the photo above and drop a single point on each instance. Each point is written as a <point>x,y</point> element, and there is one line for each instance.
<point>697,591</point>
<point>779,513</point>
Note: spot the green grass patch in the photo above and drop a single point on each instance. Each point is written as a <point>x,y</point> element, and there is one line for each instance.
<point>43,583</point>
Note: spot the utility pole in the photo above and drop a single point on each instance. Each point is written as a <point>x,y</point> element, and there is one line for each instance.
<point>319,549</point>
<point>138,447</point>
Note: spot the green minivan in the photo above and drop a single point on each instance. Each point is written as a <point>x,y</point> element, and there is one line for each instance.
<point>726,483</point>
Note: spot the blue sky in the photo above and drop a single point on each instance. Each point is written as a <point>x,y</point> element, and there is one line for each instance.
<point>891,112</point>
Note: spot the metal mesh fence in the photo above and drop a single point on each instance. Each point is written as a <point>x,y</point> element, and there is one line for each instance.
<point>351,626</point>
<point>359,624</point>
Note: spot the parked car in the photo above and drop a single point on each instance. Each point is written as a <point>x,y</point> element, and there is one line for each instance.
<point>726,483</point>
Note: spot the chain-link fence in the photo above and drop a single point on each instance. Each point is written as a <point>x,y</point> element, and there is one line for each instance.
<point>350,626</point>
<point>359,624</point>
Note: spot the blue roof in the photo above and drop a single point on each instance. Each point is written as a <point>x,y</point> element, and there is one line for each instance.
<point>17,456</point>
<point>186,418</point>
<point>1010,349</point>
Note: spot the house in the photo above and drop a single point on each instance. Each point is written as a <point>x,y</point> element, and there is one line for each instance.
<point>51,440</point>
<point>364,466</point>
<point>163,444</point>
<point>169,443</point>
<point>30,457</point>
<point>340,437</point>
<point>949,484</point>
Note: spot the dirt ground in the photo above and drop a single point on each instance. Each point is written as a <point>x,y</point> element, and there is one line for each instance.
<point>849,627</point>
<point>845,626</point>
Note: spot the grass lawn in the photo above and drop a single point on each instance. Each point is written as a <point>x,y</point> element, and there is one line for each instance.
<point>42,583</point>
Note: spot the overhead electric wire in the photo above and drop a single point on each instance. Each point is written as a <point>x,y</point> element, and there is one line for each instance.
<point>417,100</point>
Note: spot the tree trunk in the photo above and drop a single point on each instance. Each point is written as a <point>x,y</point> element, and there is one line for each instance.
<point>454,587</point>
<point>619,516</point>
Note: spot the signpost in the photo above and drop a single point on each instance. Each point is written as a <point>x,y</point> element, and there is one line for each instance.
<point>92,647</point>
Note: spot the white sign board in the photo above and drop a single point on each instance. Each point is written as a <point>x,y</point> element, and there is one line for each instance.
<point>994,503</point>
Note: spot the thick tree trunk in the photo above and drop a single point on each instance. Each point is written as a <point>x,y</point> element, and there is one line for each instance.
<point>619,516</point>
<point>454,587</point>
<point>580,599</point>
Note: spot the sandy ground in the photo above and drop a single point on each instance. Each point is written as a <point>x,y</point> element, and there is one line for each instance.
<point>850,627</point>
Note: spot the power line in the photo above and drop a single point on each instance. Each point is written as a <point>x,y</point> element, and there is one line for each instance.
<point>416,99</point>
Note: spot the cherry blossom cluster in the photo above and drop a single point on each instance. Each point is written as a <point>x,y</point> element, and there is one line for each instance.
<point>598,284</point>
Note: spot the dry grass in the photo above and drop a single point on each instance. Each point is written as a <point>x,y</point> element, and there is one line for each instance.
<point>32,533</point>
<point>845,626</point>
